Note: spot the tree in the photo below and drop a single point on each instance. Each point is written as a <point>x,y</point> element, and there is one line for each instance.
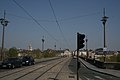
<point>49,53</point>
<point>118,58</point>
<point>37,53</point>
<point>13,52</point>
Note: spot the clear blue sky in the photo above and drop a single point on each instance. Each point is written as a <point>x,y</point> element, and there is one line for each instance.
<point>73,16</point>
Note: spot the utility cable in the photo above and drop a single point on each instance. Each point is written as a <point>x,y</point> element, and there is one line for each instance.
<point>41,20</point>
<point>60,20</point>
<point>34,19</point>
<point>57,22</point>
<point>81,16</point>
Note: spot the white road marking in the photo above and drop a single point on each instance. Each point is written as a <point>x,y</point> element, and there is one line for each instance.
<point>87,78</point>
<point>99,77</point>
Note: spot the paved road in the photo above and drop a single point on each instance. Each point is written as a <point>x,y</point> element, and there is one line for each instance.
<point>50,70</point>
<point>60,69</point>
<point>86,74</point>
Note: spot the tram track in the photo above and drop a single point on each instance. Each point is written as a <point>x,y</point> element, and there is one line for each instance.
<point>30,71</point>
<point>57,73</point>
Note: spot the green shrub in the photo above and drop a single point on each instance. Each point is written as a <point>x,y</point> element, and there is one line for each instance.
<point>13,52</point>
<point>118,58</point>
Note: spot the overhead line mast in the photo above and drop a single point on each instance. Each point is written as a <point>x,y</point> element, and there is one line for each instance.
<point>104,20</point>
<point>4,22</point>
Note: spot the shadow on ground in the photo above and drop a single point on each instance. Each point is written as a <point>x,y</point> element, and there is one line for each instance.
<point>72,66</point>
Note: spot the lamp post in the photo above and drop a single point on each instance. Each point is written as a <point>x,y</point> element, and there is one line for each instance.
<point>55,46</point>
<point>43,40</point>
<point>87,47</point>
<point>4,23</point>
<point>104,20</point>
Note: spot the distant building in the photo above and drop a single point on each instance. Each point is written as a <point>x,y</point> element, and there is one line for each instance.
<point>81,53</point>
<point>99,51</point>
<point>67,53</point>
<point>30,47</point>
<point>91,54</point>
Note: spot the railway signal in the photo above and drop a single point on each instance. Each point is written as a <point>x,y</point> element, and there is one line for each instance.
<point>80,40</point>
<point>80,45</point>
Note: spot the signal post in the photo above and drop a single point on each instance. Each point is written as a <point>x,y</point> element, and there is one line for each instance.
<point>80,45</point>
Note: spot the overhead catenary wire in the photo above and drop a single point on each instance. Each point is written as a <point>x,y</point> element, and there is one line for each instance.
<point>80,16</point>
<point>34,19</point>
<point>57,22</point>
<point>26,18</point>
<point>60,20</point>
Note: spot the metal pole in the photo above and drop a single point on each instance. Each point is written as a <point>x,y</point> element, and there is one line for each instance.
<point>77,57</point>
<point>104,19</point>
<point>104,22</point>
<point>2,53</point>
<point>43,43</point>
<point>104,43</point>
<point>3,23</point>
<point>55,46</point>
<point>77,65</point>
<point>87,47</point>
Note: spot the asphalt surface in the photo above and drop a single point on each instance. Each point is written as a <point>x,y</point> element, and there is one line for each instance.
<point>47,70</point>
<point>67,72</point>
<point>87,74</point>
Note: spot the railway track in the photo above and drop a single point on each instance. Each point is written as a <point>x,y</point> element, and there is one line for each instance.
<point>35,72</point>
<point>8,72</point>
<point>52,70</point>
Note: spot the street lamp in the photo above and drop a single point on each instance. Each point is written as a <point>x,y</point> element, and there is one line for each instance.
<point>43,40</point>
<point>4,22</point>
<point>55,46</point>
<point>87,47</point>
<point>104,20</point>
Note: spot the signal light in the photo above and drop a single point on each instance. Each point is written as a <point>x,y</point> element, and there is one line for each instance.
<point>80,40</point>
